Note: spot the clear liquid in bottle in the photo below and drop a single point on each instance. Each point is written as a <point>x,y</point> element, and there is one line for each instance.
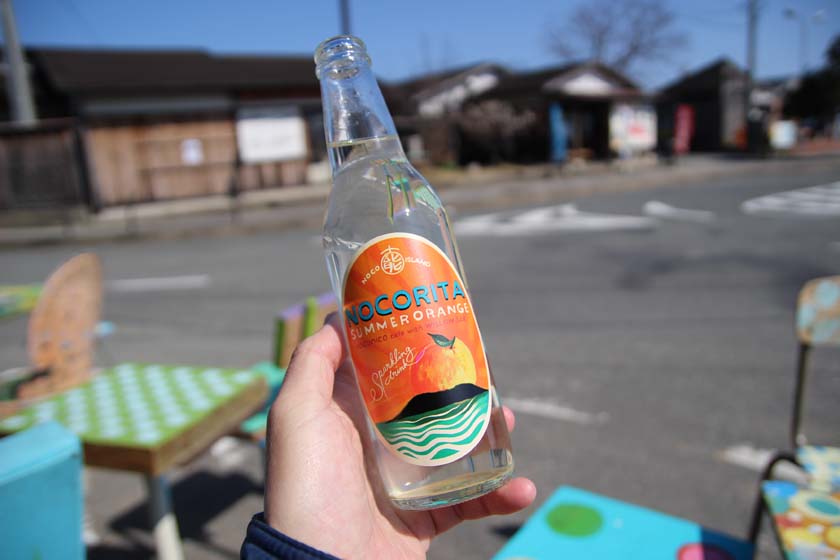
<point>434,418</point>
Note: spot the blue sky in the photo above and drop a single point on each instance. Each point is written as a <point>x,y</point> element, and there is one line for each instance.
<point>407,38</point>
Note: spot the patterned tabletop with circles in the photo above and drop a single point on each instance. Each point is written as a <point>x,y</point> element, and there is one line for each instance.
<point>136,405</point>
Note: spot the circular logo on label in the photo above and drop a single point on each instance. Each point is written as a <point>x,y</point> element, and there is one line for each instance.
<point>392,261</point>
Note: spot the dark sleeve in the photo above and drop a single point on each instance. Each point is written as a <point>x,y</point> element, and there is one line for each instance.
<point>263,542</point>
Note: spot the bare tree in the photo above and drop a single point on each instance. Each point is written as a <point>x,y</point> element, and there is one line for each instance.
<point>618,33</point>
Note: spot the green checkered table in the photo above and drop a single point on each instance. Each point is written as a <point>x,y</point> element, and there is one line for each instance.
<point>148,418</point>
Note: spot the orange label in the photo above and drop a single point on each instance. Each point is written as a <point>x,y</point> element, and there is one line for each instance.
<point>418,354</point>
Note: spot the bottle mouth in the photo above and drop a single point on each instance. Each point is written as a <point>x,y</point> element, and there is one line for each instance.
<point>340,52</point>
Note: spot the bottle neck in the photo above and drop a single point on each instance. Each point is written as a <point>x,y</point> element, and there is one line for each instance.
<point>356,119</point>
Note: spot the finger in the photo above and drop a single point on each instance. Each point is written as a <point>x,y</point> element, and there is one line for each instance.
<point>510,419</point>
<point>332,319</point>
<point>311,372</point>
<point>517,494</point>
<point>345,369</point>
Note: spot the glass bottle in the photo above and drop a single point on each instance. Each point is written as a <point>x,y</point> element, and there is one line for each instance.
<point>435,422</point>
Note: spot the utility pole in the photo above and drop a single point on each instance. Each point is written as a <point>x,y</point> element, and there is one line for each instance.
<point>752,17</point>
<point>17,78</point>
<point>344,8</point>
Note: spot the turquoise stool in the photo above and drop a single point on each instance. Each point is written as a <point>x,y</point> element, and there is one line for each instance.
<point>41,494</point>
<point>574,523</point>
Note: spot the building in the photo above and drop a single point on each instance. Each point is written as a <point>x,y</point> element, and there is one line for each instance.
<point>166,124</point>
<point>580,110</point>
<point>426,108</point>
<point>715,94</point>
<point>487,113</point>
<point>128,126</point>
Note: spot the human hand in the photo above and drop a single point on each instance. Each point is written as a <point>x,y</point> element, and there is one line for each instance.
<point>322,489</point>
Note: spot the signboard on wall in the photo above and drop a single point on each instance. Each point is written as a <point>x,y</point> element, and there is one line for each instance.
<point>783,135</point>
<point>192,151</point>
<point>632,128</point>
<point>265,134</point>
<point>683,128</point>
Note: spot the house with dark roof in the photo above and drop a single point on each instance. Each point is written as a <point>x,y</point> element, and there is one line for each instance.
<point>486,113</point>
<point>114,83</point>
<point>583,109</point>
<point>426,107</point>
<point>170,124</point>
<point>714,95</point>
<point>150,125</point>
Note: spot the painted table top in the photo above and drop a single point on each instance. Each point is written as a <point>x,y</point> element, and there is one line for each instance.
<point>574,523</point>
<point>143,409</point>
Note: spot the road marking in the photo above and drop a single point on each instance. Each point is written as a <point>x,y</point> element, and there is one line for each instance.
<point>562,218</point>
<point>661,210</point>
<point>554,411</point>
<point>755,459</point>
<point>89,535</point>
<point>229,453</point>
<point>168,283</point>
<point>818,201</point>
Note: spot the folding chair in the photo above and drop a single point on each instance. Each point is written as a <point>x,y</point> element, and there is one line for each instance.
<point>806,517</point>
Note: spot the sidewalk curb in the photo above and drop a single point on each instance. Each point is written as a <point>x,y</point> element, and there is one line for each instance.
<point>289,207</point>
<point>292,195</point>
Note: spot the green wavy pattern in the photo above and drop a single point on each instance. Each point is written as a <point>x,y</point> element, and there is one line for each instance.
<point>439,433</point>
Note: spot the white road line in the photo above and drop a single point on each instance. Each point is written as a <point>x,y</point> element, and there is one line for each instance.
<point>563,218</point>
<point>554,411</point>
<point>168,283</point>
<point>818,201</point>
<point>755,459</point>
<point>661,210</point>
<point>229,453</point>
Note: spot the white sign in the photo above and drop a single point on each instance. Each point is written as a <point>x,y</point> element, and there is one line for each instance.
<point>783,135</point>
<point>192,151</point>
<point>632,128</point>
<point>271,134</point>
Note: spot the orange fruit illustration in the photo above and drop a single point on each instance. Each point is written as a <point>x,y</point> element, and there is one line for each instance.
<point>442,365</point>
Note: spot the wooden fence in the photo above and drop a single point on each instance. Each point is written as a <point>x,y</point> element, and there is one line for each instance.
<point>57,164</point>
<point>42,167</point>
<point>170,160</point>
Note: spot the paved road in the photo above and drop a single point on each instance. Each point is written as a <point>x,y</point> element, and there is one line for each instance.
<point>648,355</point>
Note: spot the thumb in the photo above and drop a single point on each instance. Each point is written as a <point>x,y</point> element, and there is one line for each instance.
<point>311,372</point>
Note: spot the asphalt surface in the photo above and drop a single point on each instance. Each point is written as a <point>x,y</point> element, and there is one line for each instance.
<point>637,357</point>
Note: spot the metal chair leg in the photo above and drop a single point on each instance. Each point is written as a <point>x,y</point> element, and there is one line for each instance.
<point>755,521</point>
<point>758,509</point>
<point>797,438</point>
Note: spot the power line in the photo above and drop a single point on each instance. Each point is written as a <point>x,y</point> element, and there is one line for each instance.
<point>712,21</point>
<point>70,6</point>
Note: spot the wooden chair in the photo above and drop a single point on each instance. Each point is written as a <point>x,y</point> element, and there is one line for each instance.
<point>806,517</point>
<point>60,334</point>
